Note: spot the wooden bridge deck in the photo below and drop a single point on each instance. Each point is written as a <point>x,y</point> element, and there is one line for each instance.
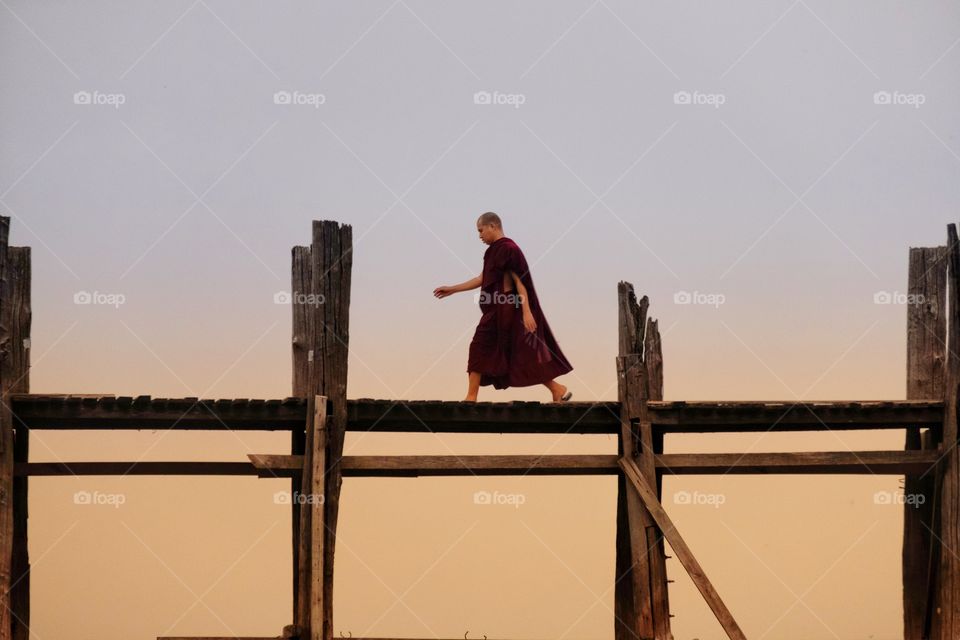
<point>44,411</point>
<point>38,411</point>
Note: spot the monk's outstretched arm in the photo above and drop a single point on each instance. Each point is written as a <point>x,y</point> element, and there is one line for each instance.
<point>472,283</point>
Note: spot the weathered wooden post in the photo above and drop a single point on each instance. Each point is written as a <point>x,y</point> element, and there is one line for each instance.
<point>313,515</point>
<point>641,601</point>
<point>321,305</point>
<point>926,366</point>
<point>15,319</point>
<point>302,330</point>
<point>19,260</point>
<point>945,602</point>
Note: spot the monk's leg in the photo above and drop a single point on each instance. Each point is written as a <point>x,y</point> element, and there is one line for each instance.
<point>556,389</point>
<point>473,386</point>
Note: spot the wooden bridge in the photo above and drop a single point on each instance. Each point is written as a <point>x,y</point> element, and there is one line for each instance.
<point>318,414</point>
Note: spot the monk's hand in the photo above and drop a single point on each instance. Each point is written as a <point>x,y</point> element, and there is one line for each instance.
<point>443,292</point>
<point>528,322</point>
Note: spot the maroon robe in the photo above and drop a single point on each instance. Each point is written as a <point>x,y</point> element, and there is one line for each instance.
<point>502,350</point>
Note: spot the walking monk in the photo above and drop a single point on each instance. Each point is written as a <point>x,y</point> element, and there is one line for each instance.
<point>513,345</point>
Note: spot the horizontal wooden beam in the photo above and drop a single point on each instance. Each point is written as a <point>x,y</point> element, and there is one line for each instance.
<point>193,468</point>
<point>534,465</point>
<point>38,411</point>
<point>144,412</point>
<point>290,632</point>
<point>285,466</point>
<point>218,637</point>
<point>721,417</point>
<point>483,417</point>
<point>276,638</point>
<point>805,462</point>
<point>836,462</point>
<point>667,417</point>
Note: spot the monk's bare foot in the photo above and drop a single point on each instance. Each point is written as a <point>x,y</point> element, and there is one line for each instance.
<point>561,390</point>
<point>469,399</point>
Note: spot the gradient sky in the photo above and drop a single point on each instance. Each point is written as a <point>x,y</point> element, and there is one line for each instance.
<point>785,195</point>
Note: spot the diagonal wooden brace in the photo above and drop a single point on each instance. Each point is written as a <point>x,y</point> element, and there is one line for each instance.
<point>684,554</point>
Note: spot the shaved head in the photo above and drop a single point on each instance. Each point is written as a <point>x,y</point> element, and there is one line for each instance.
<point>490,218</point>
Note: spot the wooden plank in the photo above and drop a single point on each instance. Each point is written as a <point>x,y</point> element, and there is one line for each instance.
<point>926,367</point>
<point>19,301</point>
<point>679,546</point>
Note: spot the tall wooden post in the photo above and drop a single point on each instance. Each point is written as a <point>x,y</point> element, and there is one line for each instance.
<point>320,362</point>
<point>15,316</point>
<point>313,524</point>
<point>302,330</point>
<point>20,280</point>
<point>945,613</point>
<point>641,602</point>
<point>926,366</point>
